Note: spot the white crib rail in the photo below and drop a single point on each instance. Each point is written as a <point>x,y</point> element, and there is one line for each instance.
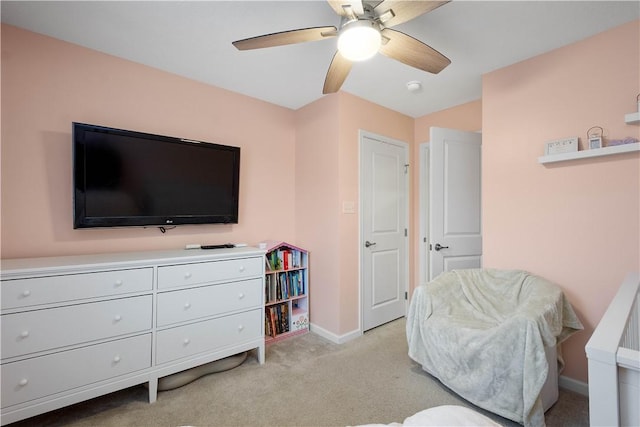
<point>614,359</point>
<point>631,337</point>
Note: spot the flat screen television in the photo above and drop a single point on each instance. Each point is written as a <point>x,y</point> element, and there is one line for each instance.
<point>127,178</point>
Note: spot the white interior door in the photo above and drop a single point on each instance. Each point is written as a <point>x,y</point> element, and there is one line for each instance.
<point>455,229</point>
<point>384,241</point>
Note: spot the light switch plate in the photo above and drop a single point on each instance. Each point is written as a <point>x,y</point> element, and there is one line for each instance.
<point>349,207</point>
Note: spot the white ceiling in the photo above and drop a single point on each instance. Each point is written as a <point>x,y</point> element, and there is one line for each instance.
<point>193,39</point>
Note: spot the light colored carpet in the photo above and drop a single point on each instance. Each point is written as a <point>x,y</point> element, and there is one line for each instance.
<point>306,381</point>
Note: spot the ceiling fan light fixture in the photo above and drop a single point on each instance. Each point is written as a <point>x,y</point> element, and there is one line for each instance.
<point>359,40</point>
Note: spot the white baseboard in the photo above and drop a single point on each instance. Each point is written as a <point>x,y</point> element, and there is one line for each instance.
<point>338,339</point>
<point>573,385</point>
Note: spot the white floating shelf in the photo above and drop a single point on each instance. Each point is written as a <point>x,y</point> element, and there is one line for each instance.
<point>585,154</point>
<point>632,118</point>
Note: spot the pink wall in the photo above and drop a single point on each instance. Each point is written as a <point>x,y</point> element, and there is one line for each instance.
<point>575,223</point>
<point>317,189</point>
<point>462,117</point>
<point>47,84</point>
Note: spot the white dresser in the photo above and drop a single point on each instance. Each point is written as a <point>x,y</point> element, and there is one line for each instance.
<point>77,327</point>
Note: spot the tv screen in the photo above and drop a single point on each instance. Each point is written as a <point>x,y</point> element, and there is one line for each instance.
<point>128,178</point>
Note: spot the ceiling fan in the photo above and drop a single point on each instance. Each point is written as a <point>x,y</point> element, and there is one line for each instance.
<point>364,31</point>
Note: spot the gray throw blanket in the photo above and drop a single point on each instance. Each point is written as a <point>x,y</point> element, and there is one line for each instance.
<point>482,332</point>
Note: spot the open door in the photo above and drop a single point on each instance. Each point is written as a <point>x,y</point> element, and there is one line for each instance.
<point>455,223</point>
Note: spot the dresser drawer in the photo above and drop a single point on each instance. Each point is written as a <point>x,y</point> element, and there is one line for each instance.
<point>194,303</point>
<point>45,290</point>
<point>208,272</point>
<point>184,341</point>
<point>43,376</point>
<point>40,330</point>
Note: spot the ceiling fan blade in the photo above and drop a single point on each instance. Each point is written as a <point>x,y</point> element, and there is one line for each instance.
<point>412,52</point>
<point>337,5</point>
<point>286,37</point>
<point>393,12</point>
<point>338,72</point>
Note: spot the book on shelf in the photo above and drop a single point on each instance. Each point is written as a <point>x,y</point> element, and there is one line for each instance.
<point>276,263</point>
<point>270,289</point>
<point>282,256</point>
<point>289,258</point>
<point>285,260</point>
<point>284,285</point>
<point>272,322</point>
<point>277,320</point>
<point>296,283</point>
<point>284,318</point>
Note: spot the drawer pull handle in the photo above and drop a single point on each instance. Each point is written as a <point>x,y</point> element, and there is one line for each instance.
<point>241,268</point>
<point>187,305</point>
<point>240,295</point>
<point>117,318</point>
<point>240,328</point>
<point>118,283</point>
<point>187,275</point>
<point>24,334</point>
<point>186,341</point>
<point>26,293</point>
<point>23,382</point>
<point>116,359</point>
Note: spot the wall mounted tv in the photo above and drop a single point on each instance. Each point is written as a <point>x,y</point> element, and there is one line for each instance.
<point>128,178</point>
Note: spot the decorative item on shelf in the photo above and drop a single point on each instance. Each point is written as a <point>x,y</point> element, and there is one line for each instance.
<point>594,135</point>
<point>565,145</point>
<point>302,322</point>
<point>627,140</point>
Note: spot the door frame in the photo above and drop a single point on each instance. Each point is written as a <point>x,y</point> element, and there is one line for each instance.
<point>405,145</point>
<point>423,189</point>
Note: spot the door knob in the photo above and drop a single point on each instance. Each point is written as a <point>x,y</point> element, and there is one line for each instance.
<point>368,243</point>
<point>438,247</point>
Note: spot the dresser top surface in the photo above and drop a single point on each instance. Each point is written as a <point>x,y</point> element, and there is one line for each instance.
<point>9,268</point>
